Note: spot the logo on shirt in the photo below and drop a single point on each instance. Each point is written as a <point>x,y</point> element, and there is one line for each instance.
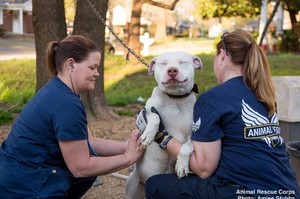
<point>259,127</point>
<point>196,125</point>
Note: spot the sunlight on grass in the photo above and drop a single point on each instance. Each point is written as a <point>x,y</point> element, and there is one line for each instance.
<point>285,64</point>
<point>124,81</point>
<point>117,68</point>
<point>17,81</point>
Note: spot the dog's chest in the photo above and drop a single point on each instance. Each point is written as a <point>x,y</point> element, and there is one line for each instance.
<point>178,120</point>
<point>176,113</point>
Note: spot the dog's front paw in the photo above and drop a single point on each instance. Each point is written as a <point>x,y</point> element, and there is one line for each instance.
<point>182,167</point>
<point>146,138</point>
<point>183,159</point>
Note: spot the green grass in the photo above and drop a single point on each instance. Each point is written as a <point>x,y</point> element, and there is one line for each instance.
<point>5,117</point>
<point>285,64</point>
<point>127,82</point>
<point>17,81</point>
<point>124,81</point>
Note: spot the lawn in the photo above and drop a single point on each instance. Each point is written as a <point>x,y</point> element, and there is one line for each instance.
<point>125,82</point>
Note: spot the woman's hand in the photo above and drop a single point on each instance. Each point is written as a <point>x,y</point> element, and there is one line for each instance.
<point>134,149</point>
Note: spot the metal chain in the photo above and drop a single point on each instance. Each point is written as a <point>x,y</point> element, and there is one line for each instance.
<point>102,20</point>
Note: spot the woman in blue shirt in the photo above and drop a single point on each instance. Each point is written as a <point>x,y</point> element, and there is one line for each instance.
<point>238,149</point>
<point>49,152</point>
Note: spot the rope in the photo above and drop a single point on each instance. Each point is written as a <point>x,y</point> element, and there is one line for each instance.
<point>102,20</point>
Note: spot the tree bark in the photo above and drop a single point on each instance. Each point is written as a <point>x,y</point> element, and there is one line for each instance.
<point>295,26</point>
<point>88,24</point>
<point>135,23</point>
<point>134,27</point>
<point>49,25</point>
<point>269,22</point>
<point>161,24</point>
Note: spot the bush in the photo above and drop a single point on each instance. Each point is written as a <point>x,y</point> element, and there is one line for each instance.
<point>2,32</point>
<point>5,117</point>
<point>289,42</point>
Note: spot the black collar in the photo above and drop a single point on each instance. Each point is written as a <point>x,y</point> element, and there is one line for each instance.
<point>194,89</point>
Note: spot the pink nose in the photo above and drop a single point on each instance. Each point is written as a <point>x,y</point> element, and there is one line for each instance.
<point>172,72</point>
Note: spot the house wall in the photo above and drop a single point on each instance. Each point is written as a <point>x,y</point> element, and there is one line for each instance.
<point>27,23</point>
<point>8,22</point>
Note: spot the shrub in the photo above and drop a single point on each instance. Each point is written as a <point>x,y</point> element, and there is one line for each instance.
<point>2,32</point>
<point>5,117</point>
<point>289,42</point>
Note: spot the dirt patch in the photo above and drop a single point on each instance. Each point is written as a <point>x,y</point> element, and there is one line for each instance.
<point>120,129</point>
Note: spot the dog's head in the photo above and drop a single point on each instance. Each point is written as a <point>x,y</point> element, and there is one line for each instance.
<point>174,71</point>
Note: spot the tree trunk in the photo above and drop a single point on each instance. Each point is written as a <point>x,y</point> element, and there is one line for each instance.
<point>161,24</point>
<point>295,26</point>
<point>49,25</point>
<point>88,24</point>
<point>262,22</point>
<point>135,23</point>
<point>134,28</point>
<point>269,22</point>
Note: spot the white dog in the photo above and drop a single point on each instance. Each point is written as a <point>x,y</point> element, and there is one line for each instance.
<point>173,98</point>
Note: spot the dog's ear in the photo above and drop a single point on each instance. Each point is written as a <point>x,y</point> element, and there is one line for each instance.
<point>197,62</point>
<point>151,67</point>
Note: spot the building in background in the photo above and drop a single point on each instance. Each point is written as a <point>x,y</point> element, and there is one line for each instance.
<point>16,16</point>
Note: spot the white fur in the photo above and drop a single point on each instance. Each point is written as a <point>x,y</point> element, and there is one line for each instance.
<point>174,74</point>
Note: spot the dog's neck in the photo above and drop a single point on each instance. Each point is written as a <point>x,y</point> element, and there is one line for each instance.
<point>194,89</point>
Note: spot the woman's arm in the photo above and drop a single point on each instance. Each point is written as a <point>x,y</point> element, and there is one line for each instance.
<point>205,158</point>
<point>105,147</point>
<point>77,157</point>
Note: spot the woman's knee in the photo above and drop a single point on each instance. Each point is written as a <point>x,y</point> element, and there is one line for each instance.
<point>161,186</point>
<point>150,184</point>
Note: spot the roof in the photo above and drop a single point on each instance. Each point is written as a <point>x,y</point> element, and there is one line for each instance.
<point>25,5</point>
<point>13,1</point>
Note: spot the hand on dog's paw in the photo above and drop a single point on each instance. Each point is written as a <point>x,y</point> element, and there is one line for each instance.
<point>141,121</point>
<point>146,139</point>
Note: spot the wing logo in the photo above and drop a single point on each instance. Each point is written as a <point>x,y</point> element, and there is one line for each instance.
<point>196,125</point>
<point>260,127</point>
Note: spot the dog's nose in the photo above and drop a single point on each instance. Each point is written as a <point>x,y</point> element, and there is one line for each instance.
<point>172,72</point>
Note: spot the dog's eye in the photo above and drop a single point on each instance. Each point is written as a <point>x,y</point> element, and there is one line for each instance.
<point>182,62</point>
<point>163,63</point>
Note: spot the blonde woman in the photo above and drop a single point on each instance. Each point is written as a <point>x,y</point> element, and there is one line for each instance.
<point>238,149</point>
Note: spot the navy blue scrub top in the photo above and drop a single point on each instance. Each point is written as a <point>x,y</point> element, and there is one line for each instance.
<point>31,163</point>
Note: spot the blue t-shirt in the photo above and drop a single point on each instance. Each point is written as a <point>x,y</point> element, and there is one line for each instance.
<point>253,152</point>
<point>54,114</point>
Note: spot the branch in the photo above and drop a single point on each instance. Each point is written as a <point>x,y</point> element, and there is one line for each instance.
<point>162,5</point>
<point>268,22</point>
